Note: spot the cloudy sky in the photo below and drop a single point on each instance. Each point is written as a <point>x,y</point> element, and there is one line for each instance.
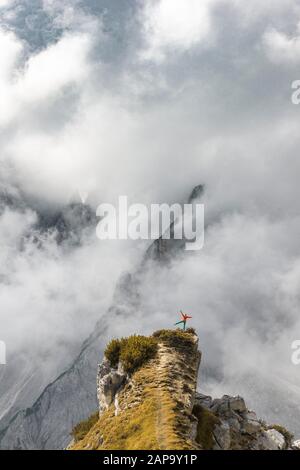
<point>148,98</point>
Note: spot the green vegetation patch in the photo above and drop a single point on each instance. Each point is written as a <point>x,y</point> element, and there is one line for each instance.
<point>113,351</point>
<point>132,352</point>
<point>176,338</point>
<point>81,429</point>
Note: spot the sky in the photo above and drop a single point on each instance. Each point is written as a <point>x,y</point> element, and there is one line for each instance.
<point>148,99</point>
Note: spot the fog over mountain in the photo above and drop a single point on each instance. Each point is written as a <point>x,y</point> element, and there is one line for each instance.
<point>149,99</point>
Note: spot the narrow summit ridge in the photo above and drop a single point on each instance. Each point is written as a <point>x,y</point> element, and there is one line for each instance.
<point>146,388</point>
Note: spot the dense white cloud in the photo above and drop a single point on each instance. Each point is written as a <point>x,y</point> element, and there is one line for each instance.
<point>281,47</point>
<point>51,295</point>
<point>44,75</point>
<point>11,49</point>
<point>5,3</point>
<point>175,25</point>
<point>61,65</point>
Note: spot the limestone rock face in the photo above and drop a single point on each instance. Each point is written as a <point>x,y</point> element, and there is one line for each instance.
<point>109,382</point>
<point>239,428</point>
<point>152,407</point>
<point>221,434</point>
<point>296,445</point>
<point>272,439</point>
<point>157,407</point>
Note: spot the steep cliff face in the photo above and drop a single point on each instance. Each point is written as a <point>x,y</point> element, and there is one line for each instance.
<point>152,407</point>
<point>157,406</point>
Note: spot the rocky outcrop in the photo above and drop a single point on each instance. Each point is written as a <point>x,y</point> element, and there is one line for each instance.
<point>151,408</point>
<point>236,427</point>
<point>296,445</point>
<point>157,407</point>
<point>109,382</point>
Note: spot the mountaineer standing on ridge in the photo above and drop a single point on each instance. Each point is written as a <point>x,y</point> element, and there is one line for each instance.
<point>185,318</point>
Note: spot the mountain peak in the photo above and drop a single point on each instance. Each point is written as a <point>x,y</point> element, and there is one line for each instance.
<point>147,396</point>
<point>146,390</point>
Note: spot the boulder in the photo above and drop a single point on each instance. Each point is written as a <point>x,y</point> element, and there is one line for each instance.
<point>237,404</point>
<point>251,427</point>
<point>270,439</point>
<point>229,406</point>
<point>250,424</point>
<point>276,437</point>
<point>296,445</point>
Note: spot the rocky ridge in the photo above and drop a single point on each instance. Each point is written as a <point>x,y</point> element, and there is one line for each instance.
<point>158,407</point>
